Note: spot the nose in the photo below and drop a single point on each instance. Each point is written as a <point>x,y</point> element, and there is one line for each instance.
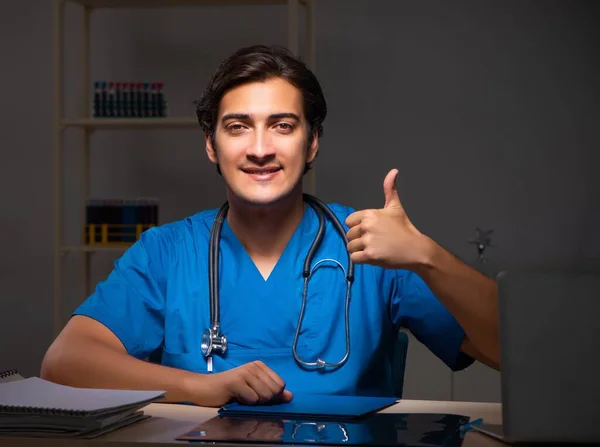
<point>261,149</point>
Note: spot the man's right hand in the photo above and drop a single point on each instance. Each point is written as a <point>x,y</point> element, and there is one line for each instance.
<point>252,384</point>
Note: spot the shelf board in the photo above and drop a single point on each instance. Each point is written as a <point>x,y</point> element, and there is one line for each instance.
<point>94,248</point>
<point>170,3</point>
<point>133,123</point>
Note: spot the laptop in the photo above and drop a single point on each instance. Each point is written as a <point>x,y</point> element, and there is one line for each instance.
<point>550,357</point>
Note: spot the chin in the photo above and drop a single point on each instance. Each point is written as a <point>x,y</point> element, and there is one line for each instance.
<point>263,198</point>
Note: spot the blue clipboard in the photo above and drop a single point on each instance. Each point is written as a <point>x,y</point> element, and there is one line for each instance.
<point>313,406</point>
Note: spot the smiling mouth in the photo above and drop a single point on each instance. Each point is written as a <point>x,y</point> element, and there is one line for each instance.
<point>261,171</point>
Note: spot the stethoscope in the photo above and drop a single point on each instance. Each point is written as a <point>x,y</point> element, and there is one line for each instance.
<point>319,427</point>
<point>213,341</point>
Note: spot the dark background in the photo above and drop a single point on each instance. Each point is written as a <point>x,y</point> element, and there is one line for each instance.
<point>489,109</point>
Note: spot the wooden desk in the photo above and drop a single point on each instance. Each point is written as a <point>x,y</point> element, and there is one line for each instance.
<point>170,421</point>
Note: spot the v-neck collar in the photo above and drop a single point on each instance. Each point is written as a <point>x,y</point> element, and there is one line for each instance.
<point>292,251</point>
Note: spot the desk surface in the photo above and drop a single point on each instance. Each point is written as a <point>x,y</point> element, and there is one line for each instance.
<point>169,421</point>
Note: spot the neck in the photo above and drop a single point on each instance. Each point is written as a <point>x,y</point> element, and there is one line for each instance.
<point>265,231</point>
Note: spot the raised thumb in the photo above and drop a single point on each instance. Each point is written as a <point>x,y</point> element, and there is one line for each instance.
<point>389,189</point>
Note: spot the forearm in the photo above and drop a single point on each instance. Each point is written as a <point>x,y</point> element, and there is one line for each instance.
<point>89,363</point>
<point>469,296</point>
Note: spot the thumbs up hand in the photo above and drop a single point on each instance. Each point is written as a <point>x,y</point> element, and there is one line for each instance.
<point>386,237</point>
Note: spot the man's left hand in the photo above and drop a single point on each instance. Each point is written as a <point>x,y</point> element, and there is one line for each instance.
<point>386,237</point>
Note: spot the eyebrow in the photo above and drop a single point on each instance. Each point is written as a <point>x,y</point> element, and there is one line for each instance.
<point>246,117</point>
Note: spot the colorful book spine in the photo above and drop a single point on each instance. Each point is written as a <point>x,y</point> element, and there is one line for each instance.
<point>119,221</point>
<point>129,100</point>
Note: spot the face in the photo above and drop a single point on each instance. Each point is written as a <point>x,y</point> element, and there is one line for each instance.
<point>261,141</point>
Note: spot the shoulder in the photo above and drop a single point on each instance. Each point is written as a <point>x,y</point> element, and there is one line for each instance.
<point>179,231</point>
<point>162,245</point>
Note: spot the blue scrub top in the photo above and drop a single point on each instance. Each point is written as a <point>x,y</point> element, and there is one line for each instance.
<point>157,297</point>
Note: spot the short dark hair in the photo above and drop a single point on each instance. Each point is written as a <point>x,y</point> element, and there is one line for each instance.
<point>260,63</point>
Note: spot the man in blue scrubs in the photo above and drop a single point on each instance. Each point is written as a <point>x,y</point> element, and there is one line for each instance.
<point>262,115</point>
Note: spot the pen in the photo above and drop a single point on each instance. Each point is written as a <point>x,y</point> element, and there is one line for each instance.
<point>469,425</point>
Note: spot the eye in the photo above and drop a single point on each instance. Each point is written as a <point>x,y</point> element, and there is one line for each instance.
<point>284,127</point>
<point>235,128</point>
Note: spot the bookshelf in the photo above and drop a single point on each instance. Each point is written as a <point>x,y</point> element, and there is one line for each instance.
<point>131,123</point>
<point>116,248</point>
<point>88,125</point>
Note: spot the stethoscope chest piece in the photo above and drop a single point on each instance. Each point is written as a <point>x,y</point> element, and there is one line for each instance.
<point>213,342</point>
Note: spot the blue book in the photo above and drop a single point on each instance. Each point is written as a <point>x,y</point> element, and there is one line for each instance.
<point>313,406</point>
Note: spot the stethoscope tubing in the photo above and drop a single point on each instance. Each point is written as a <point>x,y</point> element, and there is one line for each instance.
<point>213,275</point>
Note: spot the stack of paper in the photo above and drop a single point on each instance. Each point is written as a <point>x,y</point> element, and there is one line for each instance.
<point>37,407</point>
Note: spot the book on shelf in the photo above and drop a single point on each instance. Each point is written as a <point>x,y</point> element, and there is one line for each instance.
<point>116,99</point>
<point>40,408</point>
<point>119,221</point>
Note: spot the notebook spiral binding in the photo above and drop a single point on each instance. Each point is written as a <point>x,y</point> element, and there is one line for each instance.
<point>8,373</point>
<point>41,411</point>
<point>36,410</point>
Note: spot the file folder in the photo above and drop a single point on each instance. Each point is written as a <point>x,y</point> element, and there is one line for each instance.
<point>313,406</point>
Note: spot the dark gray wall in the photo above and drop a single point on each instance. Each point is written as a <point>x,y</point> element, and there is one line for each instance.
<point>488,109</point>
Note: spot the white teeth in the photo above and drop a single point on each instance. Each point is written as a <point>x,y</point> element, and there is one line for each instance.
<point>262,172</point>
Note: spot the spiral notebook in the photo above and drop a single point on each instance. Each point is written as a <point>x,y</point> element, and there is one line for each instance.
<point>10,376</point>
<point>37,407</point>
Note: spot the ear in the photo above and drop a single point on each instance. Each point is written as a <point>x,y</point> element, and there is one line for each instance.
<point>313,149</point>
<point>210,150</point>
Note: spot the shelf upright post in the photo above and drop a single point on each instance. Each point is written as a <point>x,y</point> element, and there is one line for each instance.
<point>294,47</point>
<point>293,28</point>
<point>59,7</point>
<point>87,134</point>
<point>311,176</point>
<point>310,33</point>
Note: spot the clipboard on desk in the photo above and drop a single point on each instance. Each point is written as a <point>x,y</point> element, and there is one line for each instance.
<point>313,406</point>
